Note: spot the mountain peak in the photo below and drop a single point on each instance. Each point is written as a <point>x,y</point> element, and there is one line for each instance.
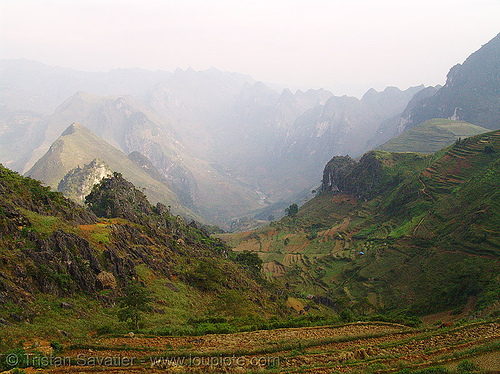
<point>78,182</point>
<point>74,127</point>
<point>371,93</point>
<point>79,146</point>
<point>286,93</point>
<point>471,92</point>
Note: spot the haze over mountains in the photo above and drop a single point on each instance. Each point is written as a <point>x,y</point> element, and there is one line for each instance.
<point>109,244</point>
<point>225,145</point>
<point>77,149</point>
<point>471,94</point>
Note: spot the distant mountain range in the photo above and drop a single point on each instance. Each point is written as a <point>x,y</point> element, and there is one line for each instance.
<point>226,145</point>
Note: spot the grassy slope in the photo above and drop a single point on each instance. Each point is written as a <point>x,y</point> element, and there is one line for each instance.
<point>431,136</point>
<point>430,242</point>
<point>79,146</point>
<point>90,323</point>
<point>182,268</point>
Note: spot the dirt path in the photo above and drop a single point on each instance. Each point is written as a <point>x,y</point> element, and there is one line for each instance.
<point>422,220</point>
<point>424,187</point>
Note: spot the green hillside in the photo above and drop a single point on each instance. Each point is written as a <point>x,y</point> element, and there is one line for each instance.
<point>431,136</point>
<point>78,146</point>
<point>65,268</point>
<point>395,233</point>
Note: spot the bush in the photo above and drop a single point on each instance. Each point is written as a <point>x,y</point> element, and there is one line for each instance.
<point>495,314</point>
<point>292,210</point>
<point>346,315</point>
<point>16,358</point>
<point>411,321</point>
<point>215,328</point>
<point>489,150</point>
<point>205,276</point>
<point>17,371</point>
<point>56,346</point>
<point>133,304</point>
<point>104,330</point>
<point>250,260</point>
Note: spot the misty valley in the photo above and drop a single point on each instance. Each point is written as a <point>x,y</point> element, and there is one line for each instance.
<point>203,221</point>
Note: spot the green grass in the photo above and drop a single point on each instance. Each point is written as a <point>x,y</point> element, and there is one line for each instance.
<point>407,228</point>
<point>45,224</point>
<point>99,235</point>
<point>431,136</point>
<point>49,321</point>
<point>177,307</point>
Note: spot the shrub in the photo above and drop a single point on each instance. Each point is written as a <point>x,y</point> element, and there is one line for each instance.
<point>104,330</point>
<point>205,276</point>
<point>16,358</point>
<point>133,304</point>
<point>215,328</point>
<point>292,210</point>
<point>488,150</point>
<point>56,346</point>
<point>250,260</point>
<point>346,315</point>
<point>17,371</point>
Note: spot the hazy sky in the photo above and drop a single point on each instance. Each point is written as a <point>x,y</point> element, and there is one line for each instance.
<point>347,46</point>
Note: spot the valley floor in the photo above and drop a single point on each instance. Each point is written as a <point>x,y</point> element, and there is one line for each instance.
<point>352,348</point>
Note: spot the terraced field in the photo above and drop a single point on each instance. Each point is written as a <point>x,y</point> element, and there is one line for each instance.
<point>453,168</point>
<point>431,136</point>
<point>351,348</point>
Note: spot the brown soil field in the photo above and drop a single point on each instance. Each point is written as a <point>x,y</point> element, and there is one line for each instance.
<point>352,348</point>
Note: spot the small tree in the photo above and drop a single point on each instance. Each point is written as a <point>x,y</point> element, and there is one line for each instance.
<point>250,260</point>
<point>489,150</point>
<point>292,210</point>
<point>206,275</point>
<point>134,302</point>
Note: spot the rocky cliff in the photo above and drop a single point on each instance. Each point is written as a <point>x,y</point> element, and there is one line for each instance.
<point>371,176</point>
<point>79,181</point>
<point>471,92</point>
